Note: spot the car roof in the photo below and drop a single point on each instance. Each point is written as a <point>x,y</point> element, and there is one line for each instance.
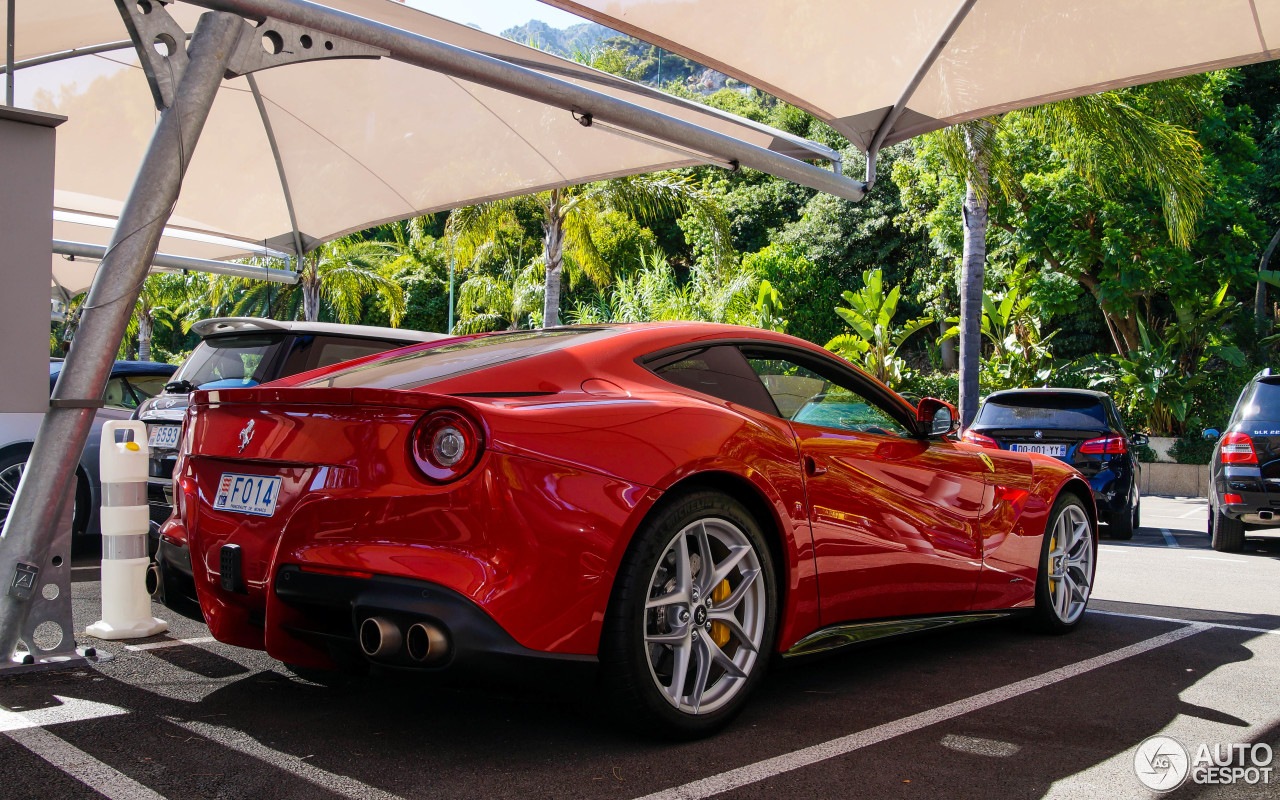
<point>1049,390</point>
<point>225,325</point>
<point>125,368</point>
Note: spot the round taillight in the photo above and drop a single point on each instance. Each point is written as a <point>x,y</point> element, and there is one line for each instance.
<point>446,445</point>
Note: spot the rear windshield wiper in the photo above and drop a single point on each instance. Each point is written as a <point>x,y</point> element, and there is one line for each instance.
<point>179,387</point>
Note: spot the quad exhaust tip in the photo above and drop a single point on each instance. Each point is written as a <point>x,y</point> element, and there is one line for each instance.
<point>380,638</point>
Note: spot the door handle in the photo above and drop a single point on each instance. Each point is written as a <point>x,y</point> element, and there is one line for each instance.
<point>813,468</point>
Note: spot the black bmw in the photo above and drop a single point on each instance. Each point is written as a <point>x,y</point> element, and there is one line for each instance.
<point>1078,426</point>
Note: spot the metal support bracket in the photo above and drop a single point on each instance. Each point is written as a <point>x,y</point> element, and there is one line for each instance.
<point>47,633</point>
<point>275,43</point>
<point>161,45</point>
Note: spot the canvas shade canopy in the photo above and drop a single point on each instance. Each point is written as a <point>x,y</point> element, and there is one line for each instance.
<point>850,62</point>
<point>359,142</point>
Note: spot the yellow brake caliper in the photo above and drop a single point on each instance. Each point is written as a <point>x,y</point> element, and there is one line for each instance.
<point>720,631</point>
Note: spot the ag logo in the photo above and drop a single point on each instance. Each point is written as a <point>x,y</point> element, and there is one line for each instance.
<point>986,459</point>
<point>1161,763</point>
<point>1039,434</point>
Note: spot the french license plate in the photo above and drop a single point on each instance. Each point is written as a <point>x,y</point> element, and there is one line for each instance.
<point>247,494</point>
<point>164,437</point>
<point>1042,449</point>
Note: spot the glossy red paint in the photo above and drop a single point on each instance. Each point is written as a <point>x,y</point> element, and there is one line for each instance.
<point>579,445</point>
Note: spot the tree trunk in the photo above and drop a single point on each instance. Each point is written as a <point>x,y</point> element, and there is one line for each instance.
<point>144,337</point>
<point>950,358</point>
<point>976,204</point>
<point>311,292</point>
<point>553,250</point>
<point>1260,294</point>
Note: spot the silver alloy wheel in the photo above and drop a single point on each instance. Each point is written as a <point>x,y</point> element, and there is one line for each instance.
<point>1070,566</point>
<point>705,616</point>
<point>10,476</point>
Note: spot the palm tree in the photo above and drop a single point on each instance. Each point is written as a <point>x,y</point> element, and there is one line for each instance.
<point>155,305</point>
<point>572,216</point>
<point>1087,132</point>
<point>508,301</point>
<point>343,273</point>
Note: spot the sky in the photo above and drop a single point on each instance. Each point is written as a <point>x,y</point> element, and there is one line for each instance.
<point>495,16</point>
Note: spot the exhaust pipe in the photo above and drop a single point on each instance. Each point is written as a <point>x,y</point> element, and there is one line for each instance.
<point>427,644</point>
<point>379,638</point>
<point>1266,515</point>
<point>153,580</point>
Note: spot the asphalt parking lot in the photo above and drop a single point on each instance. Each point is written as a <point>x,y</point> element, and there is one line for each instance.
<point>1180,641</point>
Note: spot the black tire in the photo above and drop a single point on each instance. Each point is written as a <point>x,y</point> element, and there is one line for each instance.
<point>1044,618</point>
<point>629,686</point>
<point>1121,527</point>
<point>84,498</point>
<point>1226,535</point>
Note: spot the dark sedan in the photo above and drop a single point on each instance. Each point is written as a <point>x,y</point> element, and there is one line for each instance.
<point>1078,426</point>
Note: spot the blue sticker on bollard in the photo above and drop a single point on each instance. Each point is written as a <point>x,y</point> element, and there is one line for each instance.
<point>24,580</point>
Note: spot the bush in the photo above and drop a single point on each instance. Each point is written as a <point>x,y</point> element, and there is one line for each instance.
<point>1193,449</point>
<point>942,385</point>
<point>1145,454</point>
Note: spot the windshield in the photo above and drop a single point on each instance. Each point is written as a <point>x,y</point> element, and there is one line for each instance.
<point>428,366</point>
<point>230,362</point>
<point>1064,411</point>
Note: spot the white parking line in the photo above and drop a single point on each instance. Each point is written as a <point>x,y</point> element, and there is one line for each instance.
<point>82,766</point>
<point>1219,558</point>
<point>24,728</point>
<point>1186,621</point>
<point>1195,512</point>
<point>169,643</point>
<point>244,743</point>
<point>1168,537</point>
<point>763,770</point>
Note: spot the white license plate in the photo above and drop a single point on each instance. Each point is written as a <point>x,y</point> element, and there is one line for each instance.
<point>164,437</point>
<point>247,494</point>
<point>1042,449</point>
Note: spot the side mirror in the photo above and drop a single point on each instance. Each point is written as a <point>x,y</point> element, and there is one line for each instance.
<point>1211,433</point>
<point>1139,439</point>
<point>936,417</point>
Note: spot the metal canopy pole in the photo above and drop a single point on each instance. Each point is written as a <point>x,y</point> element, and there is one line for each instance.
<point>34,517</point>
<point>587,105</point>
<point>891,119</point>
<point>97,251</point>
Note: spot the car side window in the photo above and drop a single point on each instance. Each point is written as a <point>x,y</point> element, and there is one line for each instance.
<point>803,395</point>
<point>720,371</point>
<point>147,386</point>
<point>118,395</point>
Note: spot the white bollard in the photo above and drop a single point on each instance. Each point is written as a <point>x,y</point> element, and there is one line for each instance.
<point>126,606</point>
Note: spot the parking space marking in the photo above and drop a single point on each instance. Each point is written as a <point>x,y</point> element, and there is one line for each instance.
<point>69,709</point>
<point>246,744</point>
<point>24,727</point>
<point>980,747</point>
<point>1168,538</point>
<point>80,765</point>
<point>1186,621</point>
<point>169,643</point>
<point>1223,560</point>
<point>1195,512</point>
<point>771,767</point>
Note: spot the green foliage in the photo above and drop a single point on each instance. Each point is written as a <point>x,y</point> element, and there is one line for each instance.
<point>1193,448</point>
<point>1017,354</point>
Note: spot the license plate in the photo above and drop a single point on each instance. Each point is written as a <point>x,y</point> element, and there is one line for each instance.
<point>1042,449</point>
<point>247,494</point>
<point>164,437</point>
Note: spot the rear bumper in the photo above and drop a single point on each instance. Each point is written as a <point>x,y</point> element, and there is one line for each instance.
<point>325,611</point>
<point>1257,506</point>
<point>1111,492</point>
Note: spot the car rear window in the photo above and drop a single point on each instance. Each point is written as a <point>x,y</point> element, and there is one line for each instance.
<point>424,367</point>
<point>1066,411</point>
<point>1263,403</point>
<point>231,362</point>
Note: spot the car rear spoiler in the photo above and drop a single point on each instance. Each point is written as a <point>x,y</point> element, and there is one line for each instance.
<point>306,396</point>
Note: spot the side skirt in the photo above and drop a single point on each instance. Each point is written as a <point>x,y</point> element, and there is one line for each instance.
<point>849,633</point>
